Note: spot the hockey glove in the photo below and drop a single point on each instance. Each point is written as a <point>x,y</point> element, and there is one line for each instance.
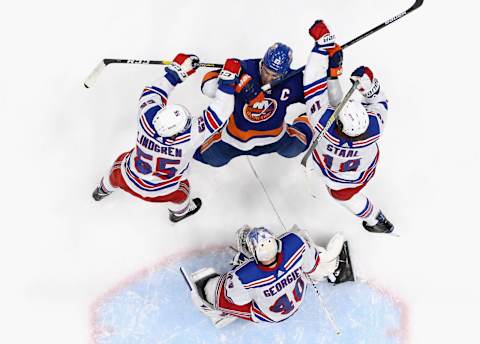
<point>182,66</point>
<point>249,90</point>
<point>322,36</point>
<point>368,85</point>
<point>229,76</point>
<point>335,61</point>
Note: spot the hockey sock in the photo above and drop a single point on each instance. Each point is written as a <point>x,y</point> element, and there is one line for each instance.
<point>362,207</point>
<point>180,209</point>
<point>105,184</point>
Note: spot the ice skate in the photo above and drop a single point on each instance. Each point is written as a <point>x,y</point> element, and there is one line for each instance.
<point>193,208</point>
<point>382,226</point>
<point>99,193</point>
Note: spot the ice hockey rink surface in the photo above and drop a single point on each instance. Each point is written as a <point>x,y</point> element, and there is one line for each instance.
<point>77,271</point>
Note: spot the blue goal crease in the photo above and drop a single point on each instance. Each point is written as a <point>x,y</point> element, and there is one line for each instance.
<point>156,308</point>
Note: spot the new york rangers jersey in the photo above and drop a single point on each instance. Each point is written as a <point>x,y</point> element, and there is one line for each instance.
<point>275,293</point>
<point>342,162</point>
<point>262,123</point>
<point>156,165</point>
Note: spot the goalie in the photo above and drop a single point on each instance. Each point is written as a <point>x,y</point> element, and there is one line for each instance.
<point>269,278</point>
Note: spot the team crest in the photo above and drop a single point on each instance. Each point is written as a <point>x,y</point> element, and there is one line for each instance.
<point>261,111</point>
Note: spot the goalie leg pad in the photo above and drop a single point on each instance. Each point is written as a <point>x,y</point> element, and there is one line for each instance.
<point>203,297</point>
<point>329,258</point>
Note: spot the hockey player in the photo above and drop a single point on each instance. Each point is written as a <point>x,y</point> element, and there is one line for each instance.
<point>257,125</point>
<point>270,277</point>
<point>347,153</point>
<point>156,170</point>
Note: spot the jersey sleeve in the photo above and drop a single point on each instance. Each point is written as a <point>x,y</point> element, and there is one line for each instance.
<point>377,109</point>
<point>156,93</point>
<point>210,83</point>
<point>217,113</point>
<point>235,290</point>
<point>311,256</point>
<point>315,88</point>
<point>153,98</point>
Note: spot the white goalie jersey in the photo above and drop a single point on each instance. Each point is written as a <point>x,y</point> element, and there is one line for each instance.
<point>156,165</point>
<point>275,293</point>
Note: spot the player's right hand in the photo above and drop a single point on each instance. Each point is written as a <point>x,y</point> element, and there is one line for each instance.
<point>182,66</point>
<point>249,89</point>
<point>229,75</point>
<point>368,84</point>
<point>321,34</point>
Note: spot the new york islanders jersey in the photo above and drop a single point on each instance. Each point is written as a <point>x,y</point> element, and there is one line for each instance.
<point>275,293</point>
<point>343,162</point>
<point>156,165</point>
<point>261,123</point>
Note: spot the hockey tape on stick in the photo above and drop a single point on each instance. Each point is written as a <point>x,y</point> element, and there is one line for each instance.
<point>94,75</point>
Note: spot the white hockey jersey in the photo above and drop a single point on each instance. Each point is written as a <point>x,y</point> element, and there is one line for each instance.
<point>156,165</point>
<point>340,161</point>
<point>275,293</point>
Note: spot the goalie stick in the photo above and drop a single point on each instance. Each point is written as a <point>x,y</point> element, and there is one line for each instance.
<point>92,78</point>
<point>412,8</point>
<point>323,305</point>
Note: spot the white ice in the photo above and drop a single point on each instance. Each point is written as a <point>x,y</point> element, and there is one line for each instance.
<point>60,251</point>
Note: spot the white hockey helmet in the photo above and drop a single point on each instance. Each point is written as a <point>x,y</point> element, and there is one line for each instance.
<point>263,244</point>
<point>353,118</point>
<point>171,120</point>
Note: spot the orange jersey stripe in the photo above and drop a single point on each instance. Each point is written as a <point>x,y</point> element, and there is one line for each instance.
<point>210,75</point>
<point>210,141</point>
<point>250,134</point>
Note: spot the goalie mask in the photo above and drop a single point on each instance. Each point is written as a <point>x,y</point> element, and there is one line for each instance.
<point>263,244</point>
<point>171,120</point>
<point>353,119</point>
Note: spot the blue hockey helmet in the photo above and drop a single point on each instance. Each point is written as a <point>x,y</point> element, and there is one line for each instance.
<point>278,58</point>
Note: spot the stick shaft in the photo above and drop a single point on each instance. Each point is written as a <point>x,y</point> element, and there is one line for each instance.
<point>330,121</point>
<point>92,78</point>
<point>156,62</point>
<point>416,5</point>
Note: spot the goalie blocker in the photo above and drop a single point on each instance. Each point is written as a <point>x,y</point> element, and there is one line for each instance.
<point>269,277</point>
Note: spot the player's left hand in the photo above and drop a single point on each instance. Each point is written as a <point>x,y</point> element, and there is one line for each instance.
<point>249,89</point>
<point>368,84</point>
<point>182,66</point>
<point>335,61</point>
<point>321,34</point>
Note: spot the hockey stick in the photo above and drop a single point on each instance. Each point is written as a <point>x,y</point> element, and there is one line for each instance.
<point>266,193</point>
<point>105,62</point>
<point>328,315</point>
<point>330,121</point>
<point>416,5</point>
<point>187,279</point>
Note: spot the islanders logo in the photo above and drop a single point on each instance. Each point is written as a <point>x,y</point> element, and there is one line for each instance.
<point>260,111</point>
